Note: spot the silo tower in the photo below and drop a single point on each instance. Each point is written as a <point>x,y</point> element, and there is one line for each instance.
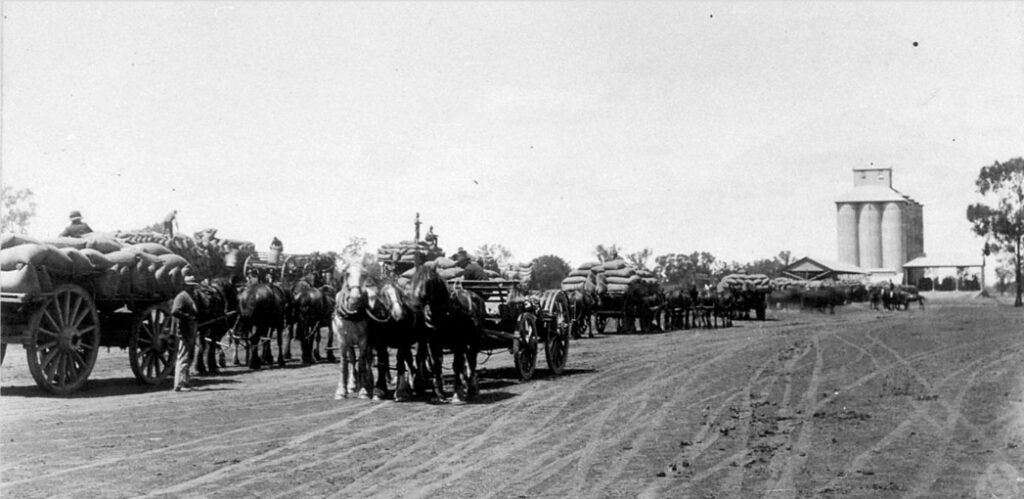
<point>878,227</point>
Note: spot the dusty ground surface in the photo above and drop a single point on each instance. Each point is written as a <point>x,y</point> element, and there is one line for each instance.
<point>862,403</point>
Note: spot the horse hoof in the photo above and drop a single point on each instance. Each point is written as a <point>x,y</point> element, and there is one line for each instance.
<point>339,395</point>
<point>457,400</point>
<point>332,359</point>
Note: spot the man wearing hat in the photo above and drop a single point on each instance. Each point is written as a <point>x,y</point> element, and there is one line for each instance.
<point>78,228</point>
<point>183,312</point>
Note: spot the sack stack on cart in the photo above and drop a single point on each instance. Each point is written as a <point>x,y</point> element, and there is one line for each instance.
<point>745,282</point>
<point>405,252</point>
<point>208,255</point>
<point>584,277</point>
<point>522,272</point>
<point>615,276</point>
<point>99,262</point>
<point>446,268</point>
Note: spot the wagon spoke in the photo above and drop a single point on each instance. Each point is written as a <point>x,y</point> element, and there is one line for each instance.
<point>53,322</point>
<point>80,317</point>
<point>73,312</point>
<point>89,329</point>
<point>46,346</point>
<point>47,332</point>
<point>77,357</point>
<point>50,368</point>
<point>48,357</point>
<point>75,364</point>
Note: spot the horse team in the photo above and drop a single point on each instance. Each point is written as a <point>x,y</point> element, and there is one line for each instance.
<point>367,312</point>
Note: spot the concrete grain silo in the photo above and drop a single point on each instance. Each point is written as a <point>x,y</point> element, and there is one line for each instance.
<point>849,247</point>
<point>878,227</point>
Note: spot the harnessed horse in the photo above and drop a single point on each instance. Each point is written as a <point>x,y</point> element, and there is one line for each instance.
<point>350,323</point>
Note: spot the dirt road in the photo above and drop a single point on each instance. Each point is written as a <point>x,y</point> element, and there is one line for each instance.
<point>925,403</point>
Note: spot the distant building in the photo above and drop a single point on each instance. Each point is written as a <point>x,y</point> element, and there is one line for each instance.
<point>879,228</point>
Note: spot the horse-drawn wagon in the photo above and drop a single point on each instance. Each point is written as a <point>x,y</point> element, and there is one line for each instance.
<point>627,294</point>
<point>519,322</point>
<point>63,304</point>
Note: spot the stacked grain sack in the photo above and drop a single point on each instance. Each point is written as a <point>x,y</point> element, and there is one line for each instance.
<point>522,272</point>
<point>208,256</point>
<point>615,276</point>
<point>446,268</point>
<point>786,282</point>
<point>584,277</point>
<point>97,261</point>
<point>405,252</point>
<point>750,282</point>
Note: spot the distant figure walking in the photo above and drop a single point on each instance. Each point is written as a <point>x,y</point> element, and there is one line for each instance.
<point>78,228</point>
<point>170,222</point>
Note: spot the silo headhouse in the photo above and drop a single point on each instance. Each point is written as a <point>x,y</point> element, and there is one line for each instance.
<point>879,227</point>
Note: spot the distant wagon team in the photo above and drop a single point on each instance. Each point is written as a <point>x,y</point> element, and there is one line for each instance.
<point>179,303</point>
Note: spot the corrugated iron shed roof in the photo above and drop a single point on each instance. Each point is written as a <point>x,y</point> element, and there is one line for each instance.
<point>923,262</point>
<point>808,264</point>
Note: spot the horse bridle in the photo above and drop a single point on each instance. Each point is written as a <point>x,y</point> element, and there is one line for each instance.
<point>341,306</point>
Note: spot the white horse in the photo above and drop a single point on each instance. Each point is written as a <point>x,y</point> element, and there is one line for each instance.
<point>350,324</point>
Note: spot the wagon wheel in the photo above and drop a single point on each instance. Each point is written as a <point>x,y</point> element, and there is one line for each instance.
<point>64,340</point>
<point>247,268</point>
<point>524,346</point>
<point>288,267</point>
<point>153,346</point>
<point>556,345</point>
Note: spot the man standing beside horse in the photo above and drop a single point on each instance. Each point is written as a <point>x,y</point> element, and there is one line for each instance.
<point>184,313</point>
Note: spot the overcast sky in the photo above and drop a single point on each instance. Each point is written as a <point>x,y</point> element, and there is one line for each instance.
<point>546,127</point>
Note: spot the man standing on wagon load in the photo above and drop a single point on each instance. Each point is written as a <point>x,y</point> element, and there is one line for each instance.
<point>183,312</point>
<point>78,228</point>
<point>170,221</point>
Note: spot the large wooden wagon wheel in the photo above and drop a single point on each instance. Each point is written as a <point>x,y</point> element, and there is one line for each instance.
<point>556,345</point>
<point>247,267</point>
<point>64,340</point>
<point>524,346</point>
<point>153,346</point>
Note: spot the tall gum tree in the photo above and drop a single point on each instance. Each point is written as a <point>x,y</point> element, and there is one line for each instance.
<point>1001,216</point>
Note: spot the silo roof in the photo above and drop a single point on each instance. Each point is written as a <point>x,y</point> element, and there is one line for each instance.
<point>873,194</point>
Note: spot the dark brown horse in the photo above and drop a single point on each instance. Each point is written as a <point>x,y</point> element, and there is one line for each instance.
<point>217,305</point>
<point>312,311</point>
<point>393,325</point>
<point>679,306</point>
<point>262,311</point>
<point>451,320</point>
<point>582,305</point>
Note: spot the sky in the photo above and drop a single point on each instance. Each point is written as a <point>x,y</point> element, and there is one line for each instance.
<point>546,127</point>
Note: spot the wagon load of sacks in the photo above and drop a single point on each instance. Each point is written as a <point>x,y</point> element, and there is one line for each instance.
<point>99,262</point>
<point>615,276</point>
<point>522,272</point>
<point>446,268</point>
<point>754,282</point>
<point>405,252</point>
<point>584,277</point>
<point>208,255</point>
